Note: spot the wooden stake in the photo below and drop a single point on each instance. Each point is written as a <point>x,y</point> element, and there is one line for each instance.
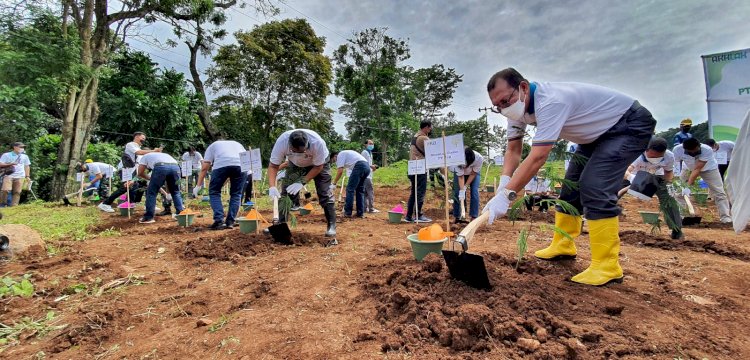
<point>445,170</point>
<point>486,173</point>
<point>416,203</point>
<point>127,191</point>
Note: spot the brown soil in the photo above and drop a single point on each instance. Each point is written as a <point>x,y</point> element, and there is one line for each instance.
<point>183,293</point>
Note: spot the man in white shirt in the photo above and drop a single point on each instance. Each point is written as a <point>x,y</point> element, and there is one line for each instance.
<point>700,160</point>
<point>223,159</point>
<point>369,189</point>
<point>194,159</point>
<point>611,130</point>
<point>101,173</point>
<point>722,152</point>
<point>18,168</point>
<point>164,170</point>
<point>538,190</point>
<point>308,160</point>
<point>360,169</point>
<point>467,175</point>
<point>659,161</point>
<point>129,160</point>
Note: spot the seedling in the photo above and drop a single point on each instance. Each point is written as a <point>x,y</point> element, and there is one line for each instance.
<point>17,287</point>
<point>285,210</point>
<point>522,245</point>
<point>39,327</point>
<point>223,321</point>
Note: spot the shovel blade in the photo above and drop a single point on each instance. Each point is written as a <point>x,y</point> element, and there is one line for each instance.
<point>691,220</point>
<point>468,268</point>
<point>281,233</point>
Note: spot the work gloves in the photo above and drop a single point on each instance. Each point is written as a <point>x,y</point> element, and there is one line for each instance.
<point>196,190</point>
<point>685,192</point>
<point>462,194</point>
<point>274,193</point>
<point>294,189</point>
<point>504,180</point>
<point>497,206</point>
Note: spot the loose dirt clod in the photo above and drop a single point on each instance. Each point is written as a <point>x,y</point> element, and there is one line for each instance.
<point>432,263</point>
<point>529,345</point>
<point>203,322</point>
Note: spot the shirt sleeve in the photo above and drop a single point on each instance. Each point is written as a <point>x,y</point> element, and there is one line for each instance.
<point>516,130</point>
<point>25,160</point>
<point>95,169</point>
<point>198,156</point>
<point>340,160</point>
<point>321,153</point>
<point>706,154</point>
<point>668,163</point>
<point>278,154</point>
<point>210,153</point>
<point>131,148</point>
<point>142,161</point>
<point>477,165</point>
<point>5,159</point>
<point>550,120</point>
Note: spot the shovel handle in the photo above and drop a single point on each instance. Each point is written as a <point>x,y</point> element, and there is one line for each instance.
<point>468,232</point>
<point>275,210</point>
<point>691,210</point>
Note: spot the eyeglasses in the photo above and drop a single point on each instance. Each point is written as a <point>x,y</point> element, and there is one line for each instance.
<point>503,103</point>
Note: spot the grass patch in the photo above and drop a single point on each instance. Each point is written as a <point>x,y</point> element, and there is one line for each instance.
<point>53,222</point>
<point>10,333</point>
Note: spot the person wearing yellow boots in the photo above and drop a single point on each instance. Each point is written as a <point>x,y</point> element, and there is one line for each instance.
<point>611,130</point>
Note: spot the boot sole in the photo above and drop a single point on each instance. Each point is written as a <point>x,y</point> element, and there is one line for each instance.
<point>613,281</point>
<point>559,257</point>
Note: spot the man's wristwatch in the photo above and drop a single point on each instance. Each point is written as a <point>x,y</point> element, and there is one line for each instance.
<point>510,194</point>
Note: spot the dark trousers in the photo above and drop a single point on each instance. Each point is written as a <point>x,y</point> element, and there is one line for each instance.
<point>122,189</point>
<point>236,182</point>
<point>600,176</point>
<point>356,188</point>
<point>161,175</point>
<point>248,188</point>
<point>421,186</point>
<point>535,200</point>
<point>723,169</point>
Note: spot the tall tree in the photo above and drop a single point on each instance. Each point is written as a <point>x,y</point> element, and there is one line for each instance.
<point>432,88</point>
<point>276,76</point>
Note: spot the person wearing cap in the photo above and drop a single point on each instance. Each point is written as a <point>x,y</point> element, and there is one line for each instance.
<point>658,161</point>
<point>194,159</point>
<point>97,172</point>
<point>538,190</point>
<point>467,176</point>
<point>723,152</point>
<point>700,160</point>
<point>369,189</point>
<point>223,159</point>
<point>611,129</point>
<point>684,132</point>
<point>18,167</point>
<point>355,188</point>
<point>164,170</point>
<point>307,154</point>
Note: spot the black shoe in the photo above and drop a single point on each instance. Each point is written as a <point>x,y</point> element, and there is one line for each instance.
<point>66,201</point>
<point>677,235</point>
<point>230,225</point>
<point>165,212</point>
<point>218,225</point>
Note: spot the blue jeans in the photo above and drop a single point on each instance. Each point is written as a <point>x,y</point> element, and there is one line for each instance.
<point>474,189</point>
<point>169,174</point>
<point>236,183</point>
<point>356,185</point>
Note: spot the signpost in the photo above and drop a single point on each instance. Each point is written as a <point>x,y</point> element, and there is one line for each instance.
<point>127,176</point>
<point>443,152</point>
<point>416,167</point>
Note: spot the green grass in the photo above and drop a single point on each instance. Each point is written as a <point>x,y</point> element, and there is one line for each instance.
<point>53,222</point>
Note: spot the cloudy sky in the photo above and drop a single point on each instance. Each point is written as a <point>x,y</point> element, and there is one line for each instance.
<point>648,49</point>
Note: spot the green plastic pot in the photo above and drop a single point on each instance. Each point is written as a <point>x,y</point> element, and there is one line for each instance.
<point>185,220</point>
<point>700,198</point>
<point>650,218</point>
<point>124,211</point>
<point>304,211</point>
<point>247,207</point>
<point>247,226</point>
<point>420,249</point>
<point>490,189</point>
<point>395,217</point>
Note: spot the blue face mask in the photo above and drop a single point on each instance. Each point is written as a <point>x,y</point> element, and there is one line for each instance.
<point>370,147</point>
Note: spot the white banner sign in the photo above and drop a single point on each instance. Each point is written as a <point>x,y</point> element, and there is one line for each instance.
<point>727,92</point>
<point>417,167</point>
<point>109,171</point>
<point>499,160</point>
<point>79,177</point>
<point>186,168</point>
<point>256,163</point>
<point>721,158</point>
<point>127,174</point>
<point>257,175</point>
<point>454,149</point>
<point>245,161</point>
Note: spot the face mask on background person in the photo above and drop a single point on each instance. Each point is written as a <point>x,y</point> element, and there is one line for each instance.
<point>655,160</point>
<point>370,147</point>
<point>516,111</point>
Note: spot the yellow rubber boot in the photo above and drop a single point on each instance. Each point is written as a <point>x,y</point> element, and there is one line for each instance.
<point>605,253</point>
<point>562,246</point>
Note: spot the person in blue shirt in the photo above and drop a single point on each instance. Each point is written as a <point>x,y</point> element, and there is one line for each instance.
<point>684,132</point>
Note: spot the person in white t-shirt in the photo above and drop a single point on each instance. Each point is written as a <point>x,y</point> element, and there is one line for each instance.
<point>133,150</point>
<point>611,129</point>
<point>538,190</point>
<point>307,154</point>
<point>13,182</point>
<point>369,189</point>
<point>223,159</point>
<point>467,176</point>
<point>700,160</point>
<point>194,159</point>
<point>659,161</point>
<point>164,170</point>
<point>722,152</point>
<point>355,188</point>
<point>101,173</point>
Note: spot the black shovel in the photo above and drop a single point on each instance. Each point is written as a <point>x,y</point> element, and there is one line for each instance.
<point>466,267</point>
<point>279,230</point>
<point>692,219</point>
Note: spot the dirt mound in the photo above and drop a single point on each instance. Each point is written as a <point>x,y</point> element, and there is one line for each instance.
<point>231,246</point>
<point>524,313</point>
<point>640,238</point>
<point>537,217</point>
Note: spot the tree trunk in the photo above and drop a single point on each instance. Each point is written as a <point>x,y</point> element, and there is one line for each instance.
<point>203,112</point>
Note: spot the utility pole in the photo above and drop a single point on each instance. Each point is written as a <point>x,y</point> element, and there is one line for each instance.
<point>485,109</point>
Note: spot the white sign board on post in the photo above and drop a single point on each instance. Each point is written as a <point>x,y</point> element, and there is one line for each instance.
<point>417,167</point>
<point>186,168</point>
<point>109,171</point>
<point>257,175</point>
<point>127,174</point>
<point>245,161</point>
<point>255,160</point>
<point>453,150</point>
<point>79,177</point>
<point>499,160</point>
<point>722,158</point>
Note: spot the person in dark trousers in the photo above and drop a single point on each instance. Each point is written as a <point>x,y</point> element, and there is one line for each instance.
<point>538,190</point>
<point>467,176</point>
<point>223,158</point>
<point>416,152</point>
<point>369,189</point>
<point>307,154</point>
<point>132,150</point>
<point>355,188</point>
<point>611,129</point>
<point>101,172</point>
<point>164,171</point>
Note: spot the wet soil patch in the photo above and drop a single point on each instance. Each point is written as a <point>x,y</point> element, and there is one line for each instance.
<point>640,238</point>
<point>228,246</point>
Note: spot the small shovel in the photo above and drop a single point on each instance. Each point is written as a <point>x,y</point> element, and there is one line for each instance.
<point>279,230</point>
<point>692,219</point>
<point>466,267</point>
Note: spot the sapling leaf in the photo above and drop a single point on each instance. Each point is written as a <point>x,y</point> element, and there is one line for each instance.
<point>522,245</point>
